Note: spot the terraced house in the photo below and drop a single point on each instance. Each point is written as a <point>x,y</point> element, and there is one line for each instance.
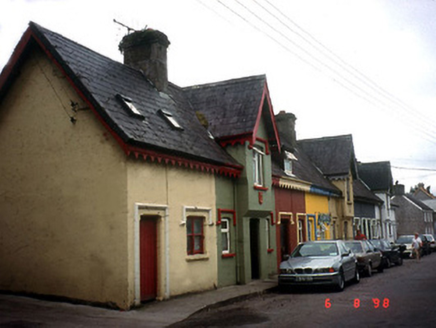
<point>118,186</point>
<point>305,199</point>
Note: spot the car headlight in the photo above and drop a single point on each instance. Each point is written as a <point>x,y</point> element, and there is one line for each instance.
<point>286,270</point>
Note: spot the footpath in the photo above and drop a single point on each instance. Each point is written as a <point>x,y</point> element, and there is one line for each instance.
<point>20,311</point>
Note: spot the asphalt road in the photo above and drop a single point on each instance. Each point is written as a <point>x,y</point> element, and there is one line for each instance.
<point>402,296</point>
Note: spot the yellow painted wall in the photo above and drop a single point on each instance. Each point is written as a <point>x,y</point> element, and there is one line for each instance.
<point>63,203</point>
<point>316,204</point>
<point>176,188</point>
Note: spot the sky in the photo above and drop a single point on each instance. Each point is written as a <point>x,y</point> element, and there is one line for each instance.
<point>360,67</point>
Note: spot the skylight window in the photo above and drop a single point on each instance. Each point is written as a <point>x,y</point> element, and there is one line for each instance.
<point>170,119</point>
<point>129,106</point>
<point>288,163</point>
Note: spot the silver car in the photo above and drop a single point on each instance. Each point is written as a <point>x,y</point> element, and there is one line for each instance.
<point>327,262</point>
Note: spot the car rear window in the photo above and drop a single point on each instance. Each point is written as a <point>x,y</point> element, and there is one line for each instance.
<point>355,247</point>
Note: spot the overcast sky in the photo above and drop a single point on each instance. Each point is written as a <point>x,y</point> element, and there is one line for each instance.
<point>366,68</point>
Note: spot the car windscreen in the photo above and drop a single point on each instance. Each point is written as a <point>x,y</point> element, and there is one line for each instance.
<point>377,243</point>
<point>430,237</point>
<point>318,249</point>
<point>404,240</point>
<point>355,247</point>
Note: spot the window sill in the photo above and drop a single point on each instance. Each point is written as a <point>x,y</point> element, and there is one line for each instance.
<point>197,257</point>
<point>228,255</point>
<point>260,188</point>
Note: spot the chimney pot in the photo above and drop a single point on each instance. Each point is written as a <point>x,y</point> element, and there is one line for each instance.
<point>146,50</point>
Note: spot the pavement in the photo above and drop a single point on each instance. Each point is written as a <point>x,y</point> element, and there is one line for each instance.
<point>21,311</point>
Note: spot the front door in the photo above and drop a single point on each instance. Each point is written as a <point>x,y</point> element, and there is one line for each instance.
<point>148,257</point>
<point>285,237</point>
<point>254,248</point>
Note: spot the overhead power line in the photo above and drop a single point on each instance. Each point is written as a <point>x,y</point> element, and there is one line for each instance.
<point>353,80</point>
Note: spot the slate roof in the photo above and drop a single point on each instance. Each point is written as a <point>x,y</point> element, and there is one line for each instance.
<point>334,156</point>
<point>100,79</point>
<point>362,193</point>
<point>305,170</point>
<point>418,202</point>
<point>376,175</point>
<point>232,107</point>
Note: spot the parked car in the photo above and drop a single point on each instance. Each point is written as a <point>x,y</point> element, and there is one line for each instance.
<point>426,246</point>
<point>368,258</point>
<point>432,242</point>
<point>391,253</point>
<point>327,262</point>
<point>406,240</point>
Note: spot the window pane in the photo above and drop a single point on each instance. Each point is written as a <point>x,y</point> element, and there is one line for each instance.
<point>197,243</point>
<point>225,241</point>
<point>224,225</point>
<point>189,245</point>
<point>189,226</point>
<point>198,224</point>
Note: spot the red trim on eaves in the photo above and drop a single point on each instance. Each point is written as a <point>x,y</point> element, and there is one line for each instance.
<point>12,62</point>
<point>266,96</point>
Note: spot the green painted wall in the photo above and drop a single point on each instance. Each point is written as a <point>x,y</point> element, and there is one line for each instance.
<point>248,207</point>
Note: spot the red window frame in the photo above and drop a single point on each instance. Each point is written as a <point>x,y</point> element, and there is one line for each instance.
<point>191,237</point>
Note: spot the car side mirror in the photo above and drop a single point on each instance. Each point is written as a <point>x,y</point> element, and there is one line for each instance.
<point>285,257</point>
<point>346,254</point>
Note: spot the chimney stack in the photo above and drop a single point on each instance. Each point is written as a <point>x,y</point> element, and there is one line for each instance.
<point>286,126</point>
<point>398,190</point>
<point>146,50</point>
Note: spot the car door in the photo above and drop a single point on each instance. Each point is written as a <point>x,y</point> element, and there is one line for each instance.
<point>348,261</point>
<point>374,255</point>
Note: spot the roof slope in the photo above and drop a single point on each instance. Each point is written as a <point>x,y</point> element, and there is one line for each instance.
<point>304,170</point>
<point>232,107</point>
<point>333,155</point>
<point>362,193</point>
<point>377,175</point>
<point>100,79</point>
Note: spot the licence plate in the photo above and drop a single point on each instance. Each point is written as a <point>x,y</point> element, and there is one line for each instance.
<point>299,279</point>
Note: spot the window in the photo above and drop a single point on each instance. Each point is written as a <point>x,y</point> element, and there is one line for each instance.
<point>195,235</point>
<point>225,235</point>
<point>288,163</point>
<point>258,166</point>
<point>170,119</point>
<point>129,106</point>
<point>300,231</point>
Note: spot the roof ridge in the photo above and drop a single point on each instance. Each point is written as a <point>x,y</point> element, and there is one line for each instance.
<point>224,82</point>
<point>342,136</point>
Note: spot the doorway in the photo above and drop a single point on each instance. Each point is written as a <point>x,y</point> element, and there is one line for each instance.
<point>285,237</point>
<point>254,249</point>
<point>148,257</point>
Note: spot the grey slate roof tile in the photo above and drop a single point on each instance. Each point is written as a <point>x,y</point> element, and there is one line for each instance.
<point>231,107</point>
<point>333,155</point>
<point>101,78</point>
<point>362,193</point>
<point>377,175</point>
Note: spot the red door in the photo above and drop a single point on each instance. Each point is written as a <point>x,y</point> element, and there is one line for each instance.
<point>148,258</point>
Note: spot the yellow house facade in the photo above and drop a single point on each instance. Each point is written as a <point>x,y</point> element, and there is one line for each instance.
<point>318,217</point>
<point>85,214</point>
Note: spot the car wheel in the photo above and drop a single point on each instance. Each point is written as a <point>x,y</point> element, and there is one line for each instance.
<point>369,270</point>
<point>380,268</point>
<point>388,263</point>
<point>341,282</point>
<point>356,276</point>
<point>400,261</point>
